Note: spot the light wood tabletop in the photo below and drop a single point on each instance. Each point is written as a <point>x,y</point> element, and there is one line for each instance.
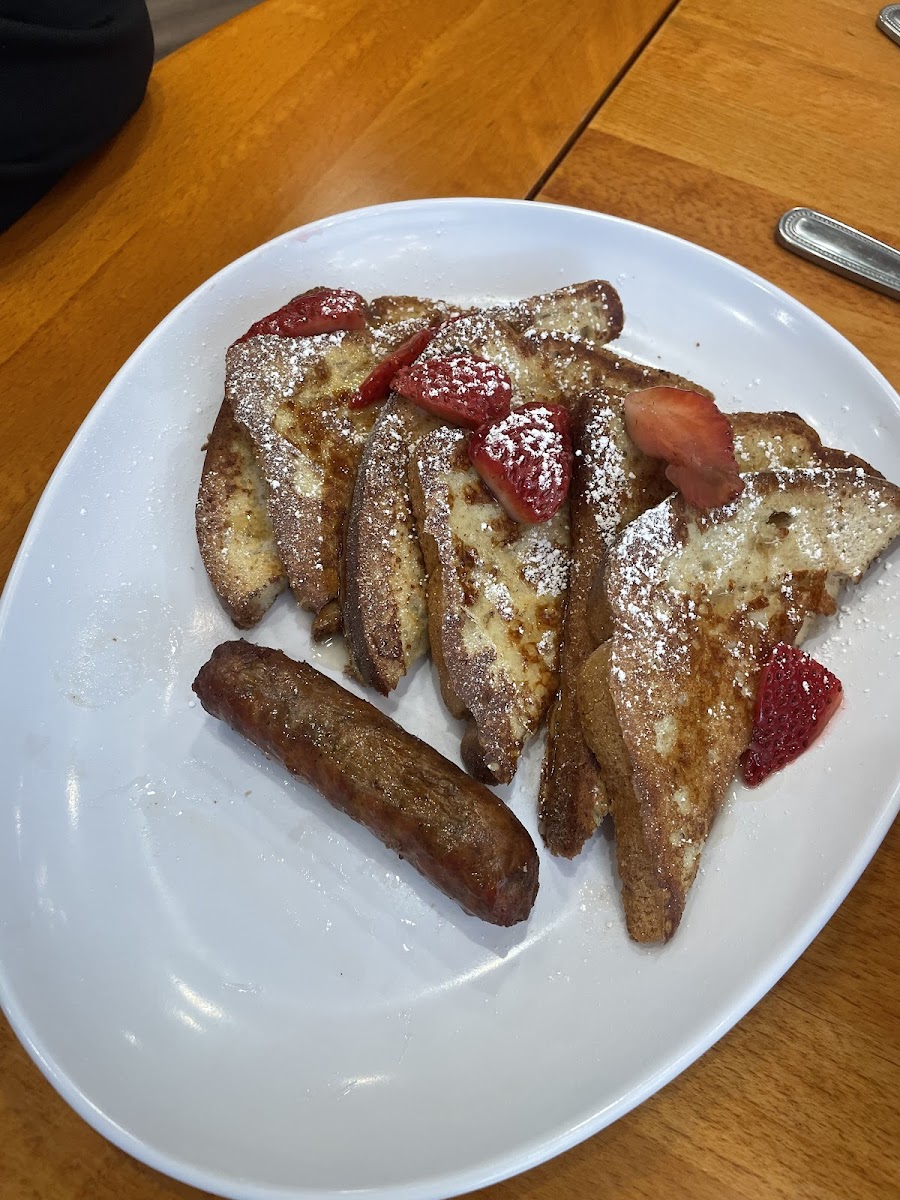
<point>290,112</point>
<point>731,114</point>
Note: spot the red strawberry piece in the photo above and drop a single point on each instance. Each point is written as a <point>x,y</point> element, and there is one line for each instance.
<point>321,310</point>
<point>797,698</point>
<point>525,459</point>
<point>687,430</point>
<point>376,385</point>
<point>462,389</point>
<point>706,486</point>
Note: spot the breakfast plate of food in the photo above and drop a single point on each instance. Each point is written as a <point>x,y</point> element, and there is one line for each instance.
<point>412,760</point>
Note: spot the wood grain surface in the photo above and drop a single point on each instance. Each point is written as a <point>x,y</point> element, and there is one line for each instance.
<point>292,111</point>
<point>735,112</point>
<point>176,22</point>
<point>738,112</point>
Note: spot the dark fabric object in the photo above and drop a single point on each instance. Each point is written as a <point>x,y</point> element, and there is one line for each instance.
<point>71,74</point>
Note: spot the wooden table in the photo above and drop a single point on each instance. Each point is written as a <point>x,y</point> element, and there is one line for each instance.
<point>732,113</point>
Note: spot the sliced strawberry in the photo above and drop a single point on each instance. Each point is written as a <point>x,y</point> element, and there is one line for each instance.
<point>377,383</point>
<point>525,459</point>
<point>687,430</point>
<point>321,310</point>
<point>797,698</point>
<point>705,486</point>
<point>462,389</point>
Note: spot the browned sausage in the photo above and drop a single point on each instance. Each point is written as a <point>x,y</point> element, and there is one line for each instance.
<point>458,834</point>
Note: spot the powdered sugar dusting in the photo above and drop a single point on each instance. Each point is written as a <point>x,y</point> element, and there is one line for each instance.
<point>501,587</point>
<point>545,564</point>
<point>464,375</point>
<point>698,600</point>
<point>290,394</point>
<point>588,312</point>
<point>603,448</point>
<point>530,443</point>
<point>480,335</point>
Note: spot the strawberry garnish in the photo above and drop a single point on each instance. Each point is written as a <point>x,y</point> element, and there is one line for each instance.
<point>321,310</point>
<point>705,486</point>
<point>376,385</point>
<point>525,459</point>
<point>462,389</point>
<point>797,698</point>
<point>687,430</point>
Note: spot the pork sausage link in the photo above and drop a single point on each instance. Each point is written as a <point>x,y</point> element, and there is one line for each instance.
<point>458,834</point>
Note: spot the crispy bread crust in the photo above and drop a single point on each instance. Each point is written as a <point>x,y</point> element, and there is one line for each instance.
<point>383,596</point>
<point>646,902</point>
<point>698,600</point>
<point>763,441</point>
<point>234,534</point>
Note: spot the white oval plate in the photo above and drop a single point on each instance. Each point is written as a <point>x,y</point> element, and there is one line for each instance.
<point>242,988</point>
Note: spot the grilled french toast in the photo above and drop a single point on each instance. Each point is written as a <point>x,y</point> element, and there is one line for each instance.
<point>305,441</point>
<point>379,523</point>
<point>291,396</point>
<point>697,600</point>
<point>384,594</point>
<point>234,533</point>
<point>589,314</point>
<point>546,344</point>
<point>613,483</point>
<point>495,588</point>
<point>495,595</point>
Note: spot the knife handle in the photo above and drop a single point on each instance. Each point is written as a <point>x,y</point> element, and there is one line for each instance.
<point>889,21</point>
<point>841,249</point>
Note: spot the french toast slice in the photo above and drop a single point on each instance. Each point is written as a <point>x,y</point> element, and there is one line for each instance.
<point>385,612</point>
<point>613,483</point>
<point>697,602</point>
<point>589,313</point>
<point>237,542</point>
<point>291,396</point>
<point>546,344</point>
<point>234,533</point>
<point>495,595</point>
<point>496,588</point>
<point>783,439</point>
<point>383,601</point>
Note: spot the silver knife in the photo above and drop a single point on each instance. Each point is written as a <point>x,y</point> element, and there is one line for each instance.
<point>841,248</point>
<point>889,21</point>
